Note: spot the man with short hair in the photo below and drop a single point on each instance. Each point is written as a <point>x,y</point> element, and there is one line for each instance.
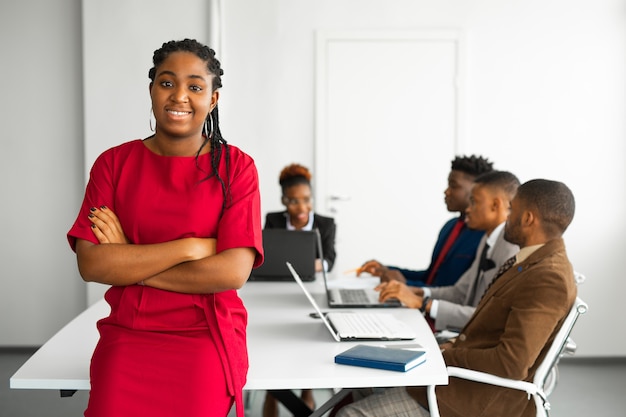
<point>450,307</point>
<point>456,244</point>
<point>514,324</point>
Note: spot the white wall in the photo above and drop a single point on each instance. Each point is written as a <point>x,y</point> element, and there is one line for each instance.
<point>544,97</point>
<point>40,168</point>
<point>116,59</point>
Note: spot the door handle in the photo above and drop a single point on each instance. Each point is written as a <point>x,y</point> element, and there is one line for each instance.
<point>339,198</point>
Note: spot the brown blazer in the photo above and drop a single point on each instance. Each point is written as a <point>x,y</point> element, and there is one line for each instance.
<point>508,335</point>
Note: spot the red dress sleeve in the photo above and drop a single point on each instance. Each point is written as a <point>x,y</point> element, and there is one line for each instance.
<point>240,224</point>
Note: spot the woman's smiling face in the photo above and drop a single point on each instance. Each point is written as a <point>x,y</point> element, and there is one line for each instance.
<point>182,95</point>
<point>299,203</point>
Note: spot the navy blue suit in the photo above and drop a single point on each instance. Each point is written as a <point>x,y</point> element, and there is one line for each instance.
<point>456,262</point>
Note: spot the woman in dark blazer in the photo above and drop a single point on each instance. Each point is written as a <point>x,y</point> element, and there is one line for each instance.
<point>295,181</point>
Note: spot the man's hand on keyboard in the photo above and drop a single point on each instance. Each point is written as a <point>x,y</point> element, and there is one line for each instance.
<point>400,291</point>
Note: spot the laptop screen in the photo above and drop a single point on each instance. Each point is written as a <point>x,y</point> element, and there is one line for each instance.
<point>280,246</point>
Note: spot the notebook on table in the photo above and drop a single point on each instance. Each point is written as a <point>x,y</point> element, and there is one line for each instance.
<point>381,357</point>
<point>351,326</point>
<point>282,245</point>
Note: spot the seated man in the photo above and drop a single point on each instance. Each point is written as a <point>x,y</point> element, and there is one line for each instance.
<point>514,324</point>
<point>451,306</point>
<point>456,245</point>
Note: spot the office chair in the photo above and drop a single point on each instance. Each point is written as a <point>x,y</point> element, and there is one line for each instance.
<point>569,349</point>
<point>536,388</point>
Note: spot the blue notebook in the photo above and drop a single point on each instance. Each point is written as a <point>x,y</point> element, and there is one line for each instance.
<point>381,357</point>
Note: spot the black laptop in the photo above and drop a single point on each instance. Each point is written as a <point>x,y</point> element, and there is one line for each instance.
<point>297,247</point>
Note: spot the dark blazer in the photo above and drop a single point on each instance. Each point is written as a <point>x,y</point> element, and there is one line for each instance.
<point>509,335</point>
<point>457,260</point>
<point>325,225</point>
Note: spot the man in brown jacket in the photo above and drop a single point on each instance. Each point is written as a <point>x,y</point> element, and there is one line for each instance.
<point>513,325</point>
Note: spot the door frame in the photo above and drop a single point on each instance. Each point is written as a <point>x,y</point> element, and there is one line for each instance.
<point>323,39</point>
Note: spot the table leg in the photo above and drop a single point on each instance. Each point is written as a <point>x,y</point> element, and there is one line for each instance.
<point>299,409</point>
<point>333,401</point>
<point>292,402</point>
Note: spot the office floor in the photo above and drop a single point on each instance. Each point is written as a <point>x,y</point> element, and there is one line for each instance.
<point>587,387</point>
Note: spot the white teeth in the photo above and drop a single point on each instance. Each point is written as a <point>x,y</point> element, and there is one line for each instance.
<point>178,113</point>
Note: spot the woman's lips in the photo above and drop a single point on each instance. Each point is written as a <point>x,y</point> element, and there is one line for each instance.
<point>178,114</point>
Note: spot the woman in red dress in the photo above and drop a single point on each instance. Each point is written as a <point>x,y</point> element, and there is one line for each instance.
<point>173,224</point>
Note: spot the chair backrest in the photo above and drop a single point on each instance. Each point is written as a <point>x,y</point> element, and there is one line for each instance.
<point>560,341</point>
<point>579,278</point>
<point>534,389</point>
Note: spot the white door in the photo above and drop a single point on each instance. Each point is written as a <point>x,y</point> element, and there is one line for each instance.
<point>387,117</point>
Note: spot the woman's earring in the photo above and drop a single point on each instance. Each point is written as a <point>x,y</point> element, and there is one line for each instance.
<point>152,128</point>
<point>208,132</point>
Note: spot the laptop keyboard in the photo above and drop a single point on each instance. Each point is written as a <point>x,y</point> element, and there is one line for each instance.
<point>353,296</point>
<point>370,325</point>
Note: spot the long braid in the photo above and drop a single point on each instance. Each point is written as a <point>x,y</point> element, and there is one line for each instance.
<point>218,146</point>
<point>212,134</point>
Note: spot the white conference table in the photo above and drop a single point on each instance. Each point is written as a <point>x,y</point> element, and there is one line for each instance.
<point>288,349</point>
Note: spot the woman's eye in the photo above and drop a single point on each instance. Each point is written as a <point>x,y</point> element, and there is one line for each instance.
<point>196,88</point>
<point>166,83</point>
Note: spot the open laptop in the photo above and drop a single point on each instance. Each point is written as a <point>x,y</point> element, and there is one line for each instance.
<point>282,245</point>
<point>352,326</point>
<point>352,297</point>
<point>356,298</point>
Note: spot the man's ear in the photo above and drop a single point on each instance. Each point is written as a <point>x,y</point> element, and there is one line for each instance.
<point>498,203</point>
<point>528,218</point>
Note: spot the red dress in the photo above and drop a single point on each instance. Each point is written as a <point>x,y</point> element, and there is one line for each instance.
<point>162,353</point>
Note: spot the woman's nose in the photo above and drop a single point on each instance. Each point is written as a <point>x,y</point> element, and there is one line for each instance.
<point>179,94</point>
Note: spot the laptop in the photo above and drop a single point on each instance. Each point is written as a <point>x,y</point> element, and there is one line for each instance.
<point>352,297</point>
<point>282,245</point>
<point>353,326</point>
<point>356,298</point>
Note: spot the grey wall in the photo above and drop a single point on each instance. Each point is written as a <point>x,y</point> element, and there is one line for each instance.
<point>41,167</point>
<point>544,96</point>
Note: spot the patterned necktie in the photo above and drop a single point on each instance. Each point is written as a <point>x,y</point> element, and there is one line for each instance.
<point>506,266</point>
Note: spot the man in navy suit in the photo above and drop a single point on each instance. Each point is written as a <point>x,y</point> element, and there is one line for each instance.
<point>451,306</point>
<point>456,244</point>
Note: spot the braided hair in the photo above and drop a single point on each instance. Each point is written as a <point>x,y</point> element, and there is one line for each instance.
<point>211,131</point>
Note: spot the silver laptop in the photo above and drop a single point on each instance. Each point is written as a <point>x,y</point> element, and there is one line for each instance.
<point>352,297</point>
<point>356,298</point>
<point>351,326</point>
